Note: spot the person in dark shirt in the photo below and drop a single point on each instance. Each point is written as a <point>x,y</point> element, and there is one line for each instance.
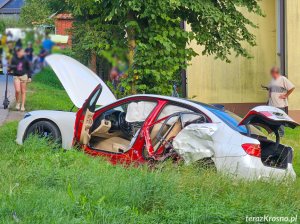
<point>19,43</point>
<point>20,68</point>
<point>29,52</point>
<point>42,55</point>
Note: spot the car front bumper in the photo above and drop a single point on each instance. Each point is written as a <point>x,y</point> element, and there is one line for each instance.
<point>23,124</point>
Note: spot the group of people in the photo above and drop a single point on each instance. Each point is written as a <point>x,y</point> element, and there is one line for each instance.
<point>20,65</point>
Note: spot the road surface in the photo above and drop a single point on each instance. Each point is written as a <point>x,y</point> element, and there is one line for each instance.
<point>4,113</point>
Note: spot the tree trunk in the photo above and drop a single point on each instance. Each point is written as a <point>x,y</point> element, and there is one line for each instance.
<point>93,62</point>
<point>131,49</point>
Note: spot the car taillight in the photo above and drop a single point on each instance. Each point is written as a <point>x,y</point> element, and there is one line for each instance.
<point>252,149</point>
<point>266,113</point>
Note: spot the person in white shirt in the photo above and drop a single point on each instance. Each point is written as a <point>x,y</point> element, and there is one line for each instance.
<point>279,90</point>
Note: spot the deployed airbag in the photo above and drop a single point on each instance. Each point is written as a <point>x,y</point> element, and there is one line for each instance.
<point>195,142</point>
<point>139,111</point>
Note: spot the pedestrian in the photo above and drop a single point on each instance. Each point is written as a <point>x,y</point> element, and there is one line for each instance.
<point>280,88</point>
<point>19,43</point>
<point>10,36</point>
<point>48,44</point>
<point>20,69</point>
<point>114,77</point>
<point>29,52</point>
<point>42,55</point>
<point>10,51</point>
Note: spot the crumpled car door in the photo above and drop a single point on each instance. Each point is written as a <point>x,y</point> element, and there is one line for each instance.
<point>195,142</point>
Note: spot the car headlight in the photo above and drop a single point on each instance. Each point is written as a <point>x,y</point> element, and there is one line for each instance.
<point>27,115</point>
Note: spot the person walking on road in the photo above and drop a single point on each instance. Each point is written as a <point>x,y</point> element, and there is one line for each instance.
<point>20,68</point>
<point>280,88</point>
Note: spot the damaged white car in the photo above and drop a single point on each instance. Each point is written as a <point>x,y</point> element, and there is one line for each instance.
<point>144,128</point>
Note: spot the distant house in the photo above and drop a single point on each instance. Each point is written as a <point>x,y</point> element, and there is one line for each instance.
<point>63,25</point>
<point>10,8</point>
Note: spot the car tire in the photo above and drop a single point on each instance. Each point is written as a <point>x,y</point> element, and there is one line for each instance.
<point>45,129</point>
<point>206,163</point>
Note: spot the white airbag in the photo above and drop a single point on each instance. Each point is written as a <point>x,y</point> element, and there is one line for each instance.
<point>139,111</point>
<point>169,110</point>
<point>195,142</point>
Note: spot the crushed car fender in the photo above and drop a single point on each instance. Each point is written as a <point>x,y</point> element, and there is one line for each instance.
<point>195,142</point>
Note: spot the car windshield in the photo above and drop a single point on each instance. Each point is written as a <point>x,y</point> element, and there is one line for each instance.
<point>233,120</point>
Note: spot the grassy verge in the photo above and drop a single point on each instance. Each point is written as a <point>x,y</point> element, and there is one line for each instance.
<point>292,139</point>
<point>40,185</point>
<point>47,93</point>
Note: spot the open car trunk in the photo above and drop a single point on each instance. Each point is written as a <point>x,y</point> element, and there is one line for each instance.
<point>273,153</point>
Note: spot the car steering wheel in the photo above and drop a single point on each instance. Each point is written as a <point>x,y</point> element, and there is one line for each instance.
<point>125,127</point>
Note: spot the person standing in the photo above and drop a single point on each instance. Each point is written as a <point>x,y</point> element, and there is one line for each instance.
<point>19,43</point>
<point>10,51</point>
<point>48,44</point>
<point>29,52</point>
<point>280,88</point>
<point>20,68</point>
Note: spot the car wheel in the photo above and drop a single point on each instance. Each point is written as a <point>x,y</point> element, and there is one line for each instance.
<point>206,163</point>
<point>44,129</point>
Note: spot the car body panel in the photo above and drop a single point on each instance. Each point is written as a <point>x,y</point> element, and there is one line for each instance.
<point>195,142</point>
<point>251,168</point>
<point>268,116</point>
<point>78,80</point>
<point>63,120</point>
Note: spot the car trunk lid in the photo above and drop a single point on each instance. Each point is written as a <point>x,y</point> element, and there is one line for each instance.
<point>268,117</point>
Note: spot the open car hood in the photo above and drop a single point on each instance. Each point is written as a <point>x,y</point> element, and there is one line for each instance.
<point>78,80</point>
<point>270,118</point>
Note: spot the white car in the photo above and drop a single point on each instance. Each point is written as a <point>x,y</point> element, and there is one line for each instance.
<point>143,128</point>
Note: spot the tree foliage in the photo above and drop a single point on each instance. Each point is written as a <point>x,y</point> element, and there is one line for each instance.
<point>36,12</point>
<point>2,26</point>
<point>150,34</point>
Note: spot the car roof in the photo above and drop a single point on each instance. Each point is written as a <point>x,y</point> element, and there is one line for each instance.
<point>212,111</point>
<point>176,99</point>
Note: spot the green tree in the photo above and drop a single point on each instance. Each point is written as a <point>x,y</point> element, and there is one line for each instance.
<point>2,26</point>
<point>155,44</point>
<point>36,12</point>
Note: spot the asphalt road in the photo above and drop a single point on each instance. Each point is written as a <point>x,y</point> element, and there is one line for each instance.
<point>4,113</point>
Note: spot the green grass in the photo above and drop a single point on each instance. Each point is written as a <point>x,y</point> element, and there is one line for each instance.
<point>47,93</point>
<point>42,185</point>
<point>292,138</point>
